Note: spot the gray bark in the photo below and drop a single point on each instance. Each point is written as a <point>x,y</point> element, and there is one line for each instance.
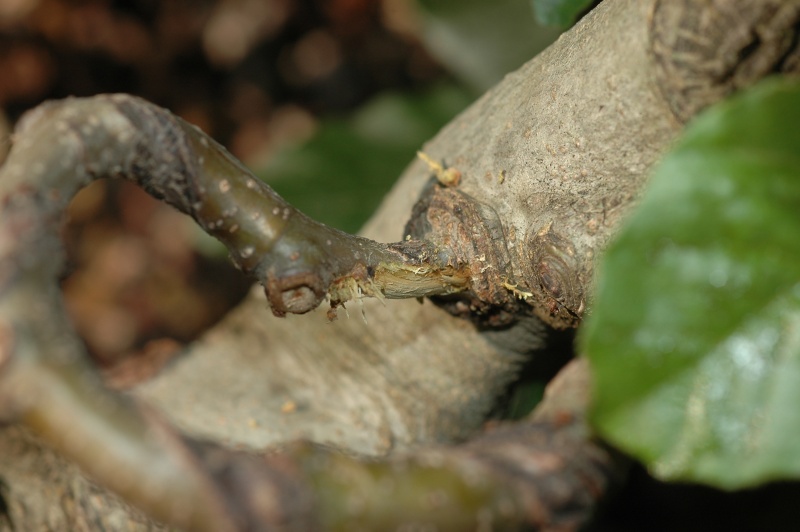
<point>574,132</point>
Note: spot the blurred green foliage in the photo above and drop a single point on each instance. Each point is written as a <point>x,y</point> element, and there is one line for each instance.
<point>340,175</point>
<point>559,13</point>
<point>480,41</point>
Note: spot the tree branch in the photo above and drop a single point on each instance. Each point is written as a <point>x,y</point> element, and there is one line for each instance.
<point>572,163</point>
<point>47,380</point>
<point>62,146</point>
<point>545,472</point>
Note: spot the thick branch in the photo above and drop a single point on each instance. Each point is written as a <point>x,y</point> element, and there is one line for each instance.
<point>546,473</point>
<point>47,383</point>
<point>554,157</point>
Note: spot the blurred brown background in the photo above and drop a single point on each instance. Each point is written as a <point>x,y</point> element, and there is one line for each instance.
<point>249,72</point>
<point>255,74</point>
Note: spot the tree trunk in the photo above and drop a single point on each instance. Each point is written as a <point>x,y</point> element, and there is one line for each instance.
<point>550,161</point>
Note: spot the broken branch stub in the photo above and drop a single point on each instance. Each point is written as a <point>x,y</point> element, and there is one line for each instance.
<point>473,233</point>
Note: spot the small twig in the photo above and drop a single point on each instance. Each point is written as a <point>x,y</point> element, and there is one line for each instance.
<point>520,294</point>
<point>448,177</point>
<point>61,146</point>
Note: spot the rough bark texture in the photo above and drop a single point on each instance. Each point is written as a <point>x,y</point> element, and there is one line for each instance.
<point>42,491</point>
<point>551,160</point>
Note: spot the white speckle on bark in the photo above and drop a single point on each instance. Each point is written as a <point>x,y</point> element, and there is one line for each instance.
<point>224,186</point>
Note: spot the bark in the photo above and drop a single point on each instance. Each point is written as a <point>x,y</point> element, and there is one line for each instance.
<point>550,161</point>
<point>574,135</point>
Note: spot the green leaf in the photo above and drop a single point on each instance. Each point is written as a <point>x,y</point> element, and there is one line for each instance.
<point>694,338</point>
<point>560,13</point>
<point>341,174</point>
<point>481,41</point>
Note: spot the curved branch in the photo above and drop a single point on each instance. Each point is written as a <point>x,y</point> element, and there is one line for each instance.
<point>545,473</point>
<point>63,145</point>
<point>47,381</point>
